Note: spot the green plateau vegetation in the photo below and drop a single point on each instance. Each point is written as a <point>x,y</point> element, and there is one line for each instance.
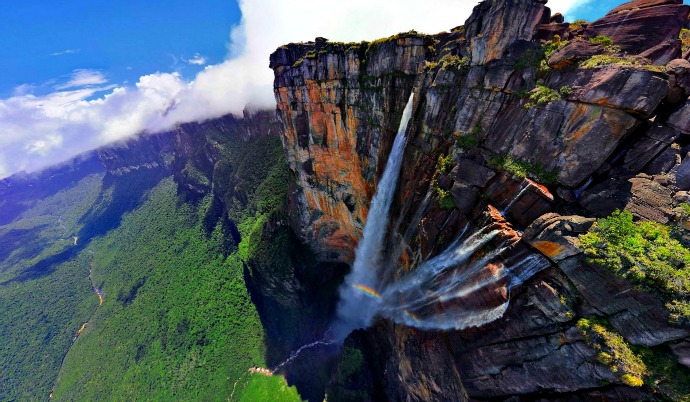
<point>177,321</point>
<point>646,253</point>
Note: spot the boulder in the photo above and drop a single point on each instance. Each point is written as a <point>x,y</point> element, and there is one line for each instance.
<point>679,80</point>
<point>680,119</point>
<point>639,316</point>
<point>645,198</point>
<point>664,52</point>
<point>637,29</point>
<point>576,50</point>
<point>635,90</point>
<point>663,162</point>
<point>557,18</point>
<point>607,196</point>
<point>652,143</point>
<point>638,4</point>
<point>683,175</point>
<point>521,201</point>
<point>548,31</point>
<point>650,200</point>
<point>556,236</point>
<point>573,138</point>
<point>472,173</point>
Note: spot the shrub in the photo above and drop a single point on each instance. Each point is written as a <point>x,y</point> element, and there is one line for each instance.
<point>445,199</point>
<point>577,24</point>
<point>552,45</point>
<point>614,352</point>
<point>565,90</point>
<point>523,169</point>
<point>468,140</point>
<point>542,95</point>
<point>605,60</point>
<point>449,61</point>
<point>602,40</point>
<point>666,375</point>
<point>645,253</point>
<point>685,39</point>
<point>431,65</point>
<point>310,54</point>
<point>443,165</point>
<point>632,381</point>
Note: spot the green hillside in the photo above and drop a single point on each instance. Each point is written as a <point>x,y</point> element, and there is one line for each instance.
<point>177,321</point>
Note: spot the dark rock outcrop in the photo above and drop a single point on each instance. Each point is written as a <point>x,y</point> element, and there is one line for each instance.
<point>638,26</point>
<point>575,51</point>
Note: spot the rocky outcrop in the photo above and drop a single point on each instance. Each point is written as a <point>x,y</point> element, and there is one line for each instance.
<point>629,24</point>
<point>500,135</point>
<point>575,51</point>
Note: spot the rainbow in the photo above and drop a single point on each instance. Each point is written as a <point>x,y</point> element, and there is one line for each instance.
<point>368,290</point>
<point>411,316</point>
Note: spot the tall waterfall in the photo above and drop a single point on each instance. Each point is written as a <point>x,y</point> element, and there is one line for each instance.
<point>357,308</point>
<point>453,290</point>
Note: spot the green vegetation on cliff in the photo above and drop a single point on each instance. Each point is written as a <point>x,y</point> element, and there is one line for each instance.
<point>443,165</point>
<point>614,352</point>
<point>522,169</point>
<point>647,254</point>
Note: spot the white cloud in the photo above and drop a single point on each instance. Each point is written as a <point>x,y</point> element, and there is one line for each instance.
<point>64,52</point>
<point>4,172</point>
<point>197,60</point>
<point>36,131</point>
<point>580,5</point>
<point>82,78</point>
<point>23,89</point>
<point>45,145</point>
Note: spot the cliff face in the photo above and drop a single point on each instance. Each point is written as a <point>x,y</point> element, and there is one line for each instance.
<point>548,125</point>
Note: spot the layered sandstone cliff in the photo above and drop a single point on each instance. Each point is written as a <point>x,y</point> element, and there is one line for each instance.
<point>521,119</point>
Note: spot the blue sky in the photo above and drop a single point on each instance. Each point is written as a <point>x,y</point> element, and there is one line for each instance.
<point>44,40</point>
<point>79,74</point>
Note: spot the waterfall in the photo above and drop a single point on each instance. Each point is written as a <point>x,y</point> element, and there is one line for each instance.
<point>439,293</point>
<point>443,293</point>
<point>356,309</point>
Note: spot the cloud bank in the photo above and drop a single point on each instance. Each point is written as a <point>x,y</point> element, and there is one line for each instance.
<point>87,111</point>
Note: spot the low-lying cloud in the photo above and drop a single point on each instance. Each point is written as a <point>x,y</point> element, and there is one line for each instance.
<point>88,111</point>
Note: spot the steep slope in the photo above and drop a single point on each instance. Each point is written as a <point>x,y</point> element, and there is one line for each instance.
<point>524,124</point>
<point>125,272</point>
